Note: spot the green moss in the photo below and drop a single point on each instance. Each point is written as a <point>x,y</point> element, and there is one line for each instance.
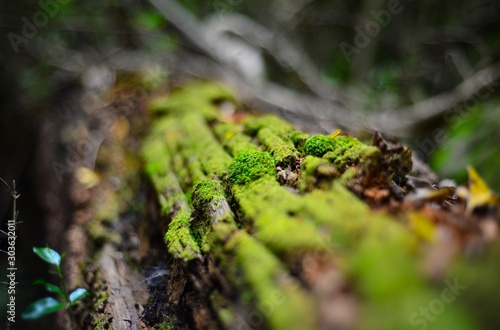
<point>180,243</point>
<point>232,137</point>
<point>206,192</point>
<point>270,285</point>
<point>318,145</point>
<point>350,151</point>
<point>283,153</point>
<point>250,165</point>
<point>211,207</point>
<point>100,234</point>
<point>278,218</point>
<point>316,173</point>
<point>225,312</point>
<point>200,146</point>
<point>197,96</point>
<point>276,124</point>
<point>299,139</point>
<point>154,149</point>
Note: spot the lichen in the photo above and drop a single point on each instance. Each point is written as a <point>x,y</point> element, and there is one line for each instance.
<point>180,242</point>
<point>250,165</point>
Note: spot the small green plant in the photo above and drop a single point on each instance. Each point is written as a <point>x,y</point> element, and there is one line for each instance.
<point>50,305</point>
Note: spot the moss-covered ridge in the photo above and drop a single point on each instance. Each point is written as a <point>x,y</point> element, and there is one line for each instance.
<point>216,183</point>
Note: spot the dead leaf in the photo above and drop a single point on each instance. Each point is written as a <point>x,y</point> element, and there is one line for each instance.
<point>479,192</point>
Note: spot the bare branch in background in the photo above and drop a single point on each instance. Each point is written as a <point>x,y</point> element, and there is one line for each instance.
<point>401,121</point>
<point>234,44</point>
<point>214,40</point>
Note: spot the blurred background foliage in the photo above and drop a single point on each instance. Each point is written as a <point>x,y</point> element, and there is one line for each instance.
<point>427,48</point>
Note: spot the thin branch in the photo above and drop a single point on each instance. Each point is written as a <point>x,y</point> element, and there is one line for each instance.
<point>401,121</point>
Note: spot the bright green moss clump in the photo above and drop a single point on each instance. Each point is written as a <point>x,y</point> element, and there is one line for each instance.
<point>250,165</point>
<point>181,244</point>
<point>232,137</point>
<point>318,145</point>
<point>316,173</point>
<point>298,139</point>
<point>350,151</point>
<point>277,125</point>
<point>341,151</point>
<point>206,192</point>
<point>269,282</point>
<point>283,153</point>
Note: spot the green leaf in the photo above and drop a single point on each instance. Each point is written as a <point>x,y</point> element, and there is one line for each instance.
<point>77,295</point>
<point>42,307</point>
<point>50,287</point>
<point>48,255</point>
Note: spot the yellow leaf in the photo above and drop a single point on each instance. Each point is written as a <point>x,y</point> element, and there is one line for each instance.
<point>422,226</point>
<point>479,192</point>
<point>337,132</point>
<point>229,135</point>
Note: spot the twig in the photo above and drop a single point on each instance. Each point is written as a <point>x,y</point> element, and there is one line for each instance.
<point>401,121</point>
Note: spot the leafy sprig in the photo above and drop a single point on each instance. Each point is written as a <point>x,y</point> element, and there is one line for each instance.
<point>50,305</point>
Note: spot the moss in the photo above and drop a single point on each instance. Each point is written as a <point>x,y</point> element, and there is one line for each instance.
<point>180,243</point>
<point>250,165</point>
<point>350,151</point>
<point>103,322</point>
<point>232,137</point>
<point>276,124</point>
<point>165,325</point>
<point>282,152</point>
<point>211,207</point>
<point>318,145</point>
<point>206,192</point>
<point>278,218</point>
<point>99,233</point>
<point>299,139</point>
<point>316,173</point>
<point>199,140</point>
<point>197,96</point>
<point>225,312</point>
<point>270,285</point>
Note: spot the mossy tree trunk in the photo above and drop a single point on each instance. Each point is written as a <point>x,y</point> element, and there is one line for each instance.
<point>214,218</point>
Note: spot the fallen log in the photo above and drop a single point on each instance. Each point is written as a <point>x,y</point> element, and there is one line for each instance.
<point>273,228</point>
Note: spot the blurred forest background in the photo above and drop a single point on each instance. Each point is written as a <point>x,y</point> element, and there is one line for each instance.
<point>425,71</point>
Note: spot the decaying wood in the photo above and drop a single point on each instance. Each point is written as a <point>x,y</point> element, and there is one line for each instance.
<point>122,309</point>
<point>221,219</point>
